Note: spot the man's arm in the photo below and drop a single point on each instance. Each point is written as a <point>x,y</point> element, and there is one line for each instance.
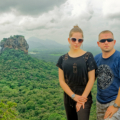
<point>117,101</point>
<point>111,109</point>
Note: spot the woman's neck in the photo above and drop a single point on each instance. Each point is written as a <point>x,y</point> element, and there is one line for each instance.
<point>75,51</point>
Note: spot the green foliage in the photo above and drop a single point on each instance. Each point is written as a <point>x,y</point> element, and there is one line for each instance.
<point>47,54</point>
<point>32,84</point>
<point>16,36</point>
<point>56,116</point>
<point>12,37</point>
<point>4,39</point>
<point>8,111</point>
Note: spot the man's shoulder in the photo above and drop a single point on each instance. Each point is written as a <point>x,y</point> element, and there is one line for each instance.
<point>117,56</point>
<point>117,53</point>
<point>98,56</point>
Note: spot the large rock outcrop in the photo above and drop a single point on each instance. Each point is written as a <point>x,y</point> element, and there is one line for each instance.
<point>14,42</point>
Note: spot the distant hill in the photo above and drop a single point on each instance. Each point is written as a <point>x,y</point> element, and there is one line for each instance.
<point>50,50</point>
<point>14,42</point>
<point>36,43</point>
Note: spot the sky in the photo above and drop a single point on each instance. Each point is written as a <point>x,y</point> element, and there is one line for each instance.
<point>53,19</point>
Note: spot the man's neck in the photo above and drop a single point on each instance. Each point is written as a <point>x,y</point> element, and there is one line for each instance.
<point>108,54</point>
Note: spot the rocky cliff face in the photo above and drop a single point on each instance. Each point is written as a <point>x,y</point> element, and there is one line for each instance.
<point>14,42</point>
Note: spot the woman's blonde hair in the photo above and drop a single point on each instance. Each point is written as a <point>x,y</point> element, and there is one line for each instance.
<point>75,29</point>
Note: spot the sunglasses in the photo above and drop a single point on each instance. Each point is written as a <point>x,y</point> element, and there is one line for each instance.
<point>74,40</point>
<point>104,40</point>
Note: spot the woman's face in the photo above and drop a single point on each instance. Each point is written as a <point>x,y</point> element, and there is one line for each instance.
<point>77,40</point>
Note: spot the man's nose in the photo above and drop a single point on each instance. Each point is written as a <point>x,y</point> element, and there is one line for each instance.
<point>106,41</point>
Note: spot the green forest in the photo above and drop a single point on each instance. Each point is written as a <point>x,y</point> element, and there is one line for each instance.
<point>29,88</point>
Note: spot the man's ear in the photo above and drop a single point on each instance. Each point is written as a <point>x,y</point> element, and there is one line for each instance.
<point>114,42</point>
<point>98,44</point>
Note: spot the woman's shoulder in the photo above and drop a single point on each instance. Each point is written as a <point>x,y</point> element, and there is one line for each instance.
<point>63,56</point>
<point>88,54</point>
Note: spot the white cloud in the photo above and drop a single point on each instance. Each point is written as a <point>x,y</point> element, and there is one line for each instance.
<point>55,24</point>
<point>7,18</point>
<point>70,11</point>
<point>111,8</point>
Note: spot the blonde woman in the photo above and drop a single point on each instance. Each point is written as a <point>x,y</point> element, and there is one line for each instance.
<point>76,77</point>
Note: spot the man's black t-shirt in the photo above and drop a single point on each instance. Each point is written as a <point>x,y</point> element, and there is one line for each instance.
<point>76,70</point>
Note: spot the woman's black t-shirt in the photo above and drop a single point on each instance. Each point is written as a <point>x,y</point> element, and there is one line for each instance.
<point>76,70</point>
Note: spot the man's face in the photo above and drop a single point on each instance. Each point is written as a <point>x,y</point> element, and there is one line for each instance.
<point>106,46</point>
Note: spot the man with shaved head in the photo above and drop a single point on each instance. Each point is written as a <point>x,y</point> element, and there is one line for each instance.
<point>108,78</point>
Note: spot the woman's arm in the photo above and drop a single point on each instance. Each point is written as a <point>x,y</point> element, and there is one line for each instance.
<point>67,89</point>
<point>91,80</point>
